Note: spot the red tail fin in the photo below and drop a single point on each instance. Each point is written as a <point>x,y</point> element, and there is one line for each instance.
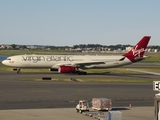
<point>137,52</point>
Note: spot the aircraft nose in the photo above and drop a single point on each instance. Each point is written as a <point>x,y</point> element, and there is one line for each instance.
<point>4,62</point>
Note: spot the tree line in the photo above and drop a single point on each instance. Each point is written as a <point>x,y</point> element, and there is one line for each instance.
<point>81,46</point>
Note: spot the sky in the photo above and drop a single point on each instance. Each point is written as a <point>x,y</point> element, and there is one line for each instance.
<point>73,22</point>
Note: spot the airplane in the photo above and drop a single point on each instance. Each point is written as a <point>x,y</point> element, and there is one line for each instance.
<point>78,63</point>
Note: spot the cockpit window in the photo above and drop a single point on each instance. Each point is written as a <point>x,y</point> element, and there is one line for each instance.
<point>8,58</point>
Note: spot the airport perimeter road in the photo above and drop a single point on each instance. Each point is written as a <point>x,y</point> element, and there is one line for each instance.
<point>18,94</point>
<point>135,113</point>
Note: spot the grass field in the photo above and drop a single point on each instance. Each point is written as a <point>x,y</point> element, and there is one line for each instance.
<point>97,80</point>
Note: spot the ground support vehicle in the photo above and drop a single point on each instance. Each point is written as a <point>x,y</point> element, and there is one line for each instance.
<point>82,106</point>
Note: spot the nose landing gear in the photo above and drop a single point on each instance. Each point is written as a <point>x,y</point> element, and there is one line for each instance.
<point>18,70</point>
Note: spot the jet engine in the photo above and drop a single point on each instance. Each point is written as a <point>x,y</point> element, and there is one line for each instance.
<point>67,69</point>
<point>53,69</point>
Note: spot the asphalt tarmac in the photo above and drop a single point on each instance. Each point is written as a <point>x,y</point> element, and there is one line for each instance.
<point>135,113</point>
<point>18,96</point>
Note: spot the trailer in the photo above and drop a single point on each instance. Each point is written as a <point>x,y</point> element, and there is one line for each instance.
<point>101,104</point>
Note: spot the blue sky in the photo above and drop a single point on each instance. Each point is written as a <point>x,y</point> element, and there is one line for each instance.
<point>70,22</point>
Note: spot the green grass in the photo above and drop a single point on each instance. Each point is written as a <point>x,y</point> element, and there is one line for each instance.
<point>97,80</point>
<point>114,80</point>
<point>22,52</point>
<point>53,79</point>
<point>153,57</point>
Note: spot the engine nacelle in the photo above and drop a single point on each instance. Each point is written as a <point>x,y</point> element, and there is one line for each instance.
<point>67,69</point>
<point>53,69</point>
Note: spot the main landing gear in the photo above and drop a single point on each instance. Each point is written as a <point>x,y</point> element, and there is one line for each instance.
<point>18,70</point>
<point>81,73</point>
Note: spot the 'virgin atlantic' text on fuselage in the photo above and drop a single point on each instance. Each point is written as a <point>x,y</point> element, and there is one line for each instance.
<point>50,58</point>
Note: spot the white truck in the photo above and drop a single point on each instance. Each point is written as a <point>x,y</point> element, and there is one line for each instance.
<point>82,106</point>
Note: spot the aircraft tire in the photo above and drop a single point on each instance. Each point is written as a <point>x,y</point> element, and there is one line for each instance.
<point>18,70</point>
<point>82,73</point>
<point>79,73</point>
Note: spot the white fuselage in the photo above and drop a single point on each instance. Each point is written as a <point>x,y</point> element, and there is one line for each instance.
<point>54,61</point>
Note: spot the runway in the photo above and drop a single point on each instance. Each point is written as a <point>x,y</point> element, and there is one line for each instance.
<point>19,94</point>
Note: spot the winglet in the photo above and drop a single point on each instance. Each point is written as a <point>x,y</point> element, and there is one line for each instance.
<point>137,52</point>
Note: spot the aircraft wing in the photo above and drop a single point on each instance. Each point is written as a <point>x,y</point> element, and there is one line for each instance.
<point>88,63</point>
<point>142,71</point>
<point>80,65</point>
